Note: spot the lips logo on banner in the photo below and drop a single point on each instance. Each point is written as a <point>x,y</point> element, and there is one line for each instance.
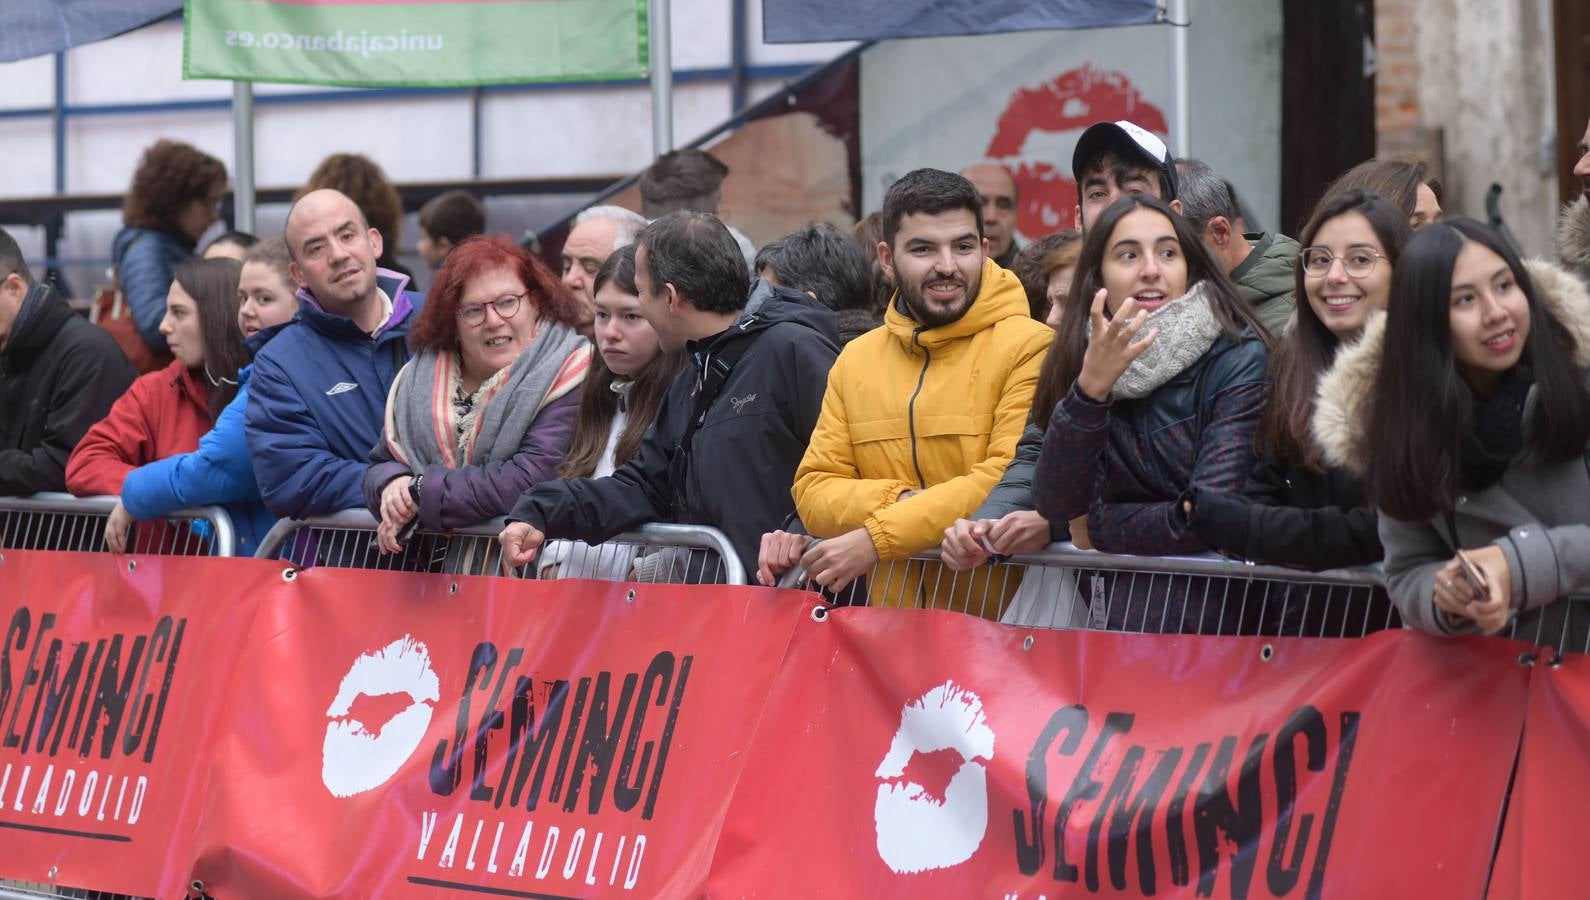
<point>916,831</point>
<point>1033,129</point>
<point>354,759</point>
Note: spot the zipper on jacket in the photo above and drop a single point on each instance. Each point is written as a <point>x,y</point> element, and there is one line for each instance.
<point>921,377</point>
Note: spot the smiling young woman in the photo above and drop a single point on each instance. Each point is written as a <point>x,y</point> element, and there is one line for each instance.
<point>485,409</point>
<point>1294,511</point>
<point>1474,439</point>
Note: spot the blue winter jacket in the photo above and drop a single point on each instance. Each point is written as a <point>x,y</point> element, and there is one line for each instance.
<point>145,261</point>
<point>317,399</point>
<point>219,472</point>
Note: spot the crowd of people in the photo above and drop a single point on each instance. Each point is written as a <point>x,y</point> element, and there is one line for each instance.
<point>1392,387</point>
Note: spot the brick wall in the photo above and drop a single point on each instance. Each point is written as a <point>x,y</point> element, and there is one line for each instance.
<point>1465,85</point>
<point>1399,129</point>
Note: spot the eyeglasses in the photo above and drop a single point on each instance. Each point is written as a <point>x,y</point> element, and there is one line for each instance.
<point>1358,262</point>
<point>506,306</point>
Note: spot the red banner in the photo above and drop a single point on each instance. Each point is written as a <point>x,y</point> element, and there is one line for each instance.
<point>112,674</point>
<point>1542,849</point>
<point>397,735</point>
<point>933,755</point>
<point>355,734</point>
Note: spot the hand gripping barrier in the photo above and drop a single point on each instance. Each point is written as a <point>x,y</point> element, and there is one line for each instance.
<point>655,553</point>
<point>64,522</point>
<point>1064,587</point>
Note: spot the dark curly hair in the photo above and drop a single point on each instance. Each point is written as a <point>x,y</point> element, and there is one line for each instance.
<point>170,175</point>
<point>364,182</point>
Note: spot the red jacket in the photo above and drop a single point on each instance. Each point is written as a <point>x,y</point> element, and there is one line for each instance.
<point>164,413</point>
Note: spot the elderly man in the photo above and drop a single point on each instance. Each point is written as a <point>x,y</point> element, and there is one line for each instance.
<point>998,192</point>
<point>597,232</point>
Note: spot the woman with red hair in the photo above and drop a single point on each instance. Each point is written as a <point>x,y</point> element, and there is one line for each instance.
<point>485,408</point>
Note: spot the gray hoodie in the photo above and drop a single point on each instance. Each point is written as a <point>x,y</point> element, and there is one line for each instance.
<point>1538,514</point>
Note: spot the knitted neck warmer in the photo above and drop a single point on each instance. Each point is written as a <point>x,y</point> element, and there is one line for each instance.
<point>1187,329</point>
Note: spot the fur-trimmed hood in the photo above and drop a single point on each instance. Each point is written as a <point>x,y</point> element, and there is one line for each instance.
<point>1342,398</point>
<point>1573,237</point>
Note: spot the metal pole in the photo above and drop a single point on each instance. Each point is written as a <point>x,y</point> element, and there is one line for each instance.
<point>1178,56</point>
<point>737,57</point>
<point>56,222</point>
<point>660,51</point>
<point>243,156</point>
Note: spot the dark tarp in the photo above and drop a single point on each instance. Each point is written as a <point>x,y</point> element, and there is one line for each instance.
<point>795,21</point>
<point>31,28</point>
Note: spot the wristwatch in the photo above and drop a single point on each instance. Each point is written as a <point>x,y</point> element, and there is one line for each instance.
<point>414,487</point>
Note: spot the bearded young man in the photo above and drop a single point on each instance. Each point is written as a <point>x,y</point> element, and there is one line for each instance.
<point>922,415</point>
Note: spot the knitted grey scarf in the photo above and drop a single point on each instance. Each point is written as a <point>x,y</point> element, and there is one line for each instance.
<point>425,426</point>
<point>1187,329</point>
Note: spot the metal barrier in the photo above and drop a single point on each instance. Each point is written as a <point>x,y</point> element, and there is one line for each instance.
<point>64,522</point>
<point>1064,587</point>
<point>655,553</point>
<point>27,890</point>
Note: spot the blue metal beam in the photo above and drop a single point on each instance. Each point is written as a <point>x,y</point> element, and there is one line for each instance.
<point>299,98</point>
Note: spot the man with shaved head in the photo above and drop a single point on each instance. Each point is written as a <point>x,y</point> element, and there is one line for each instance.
<point>317,393</point>
<point>998,192</point>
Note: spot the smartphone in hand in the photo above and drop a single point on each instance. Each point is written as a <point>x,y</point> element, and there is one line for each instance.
<point>1474,575</point>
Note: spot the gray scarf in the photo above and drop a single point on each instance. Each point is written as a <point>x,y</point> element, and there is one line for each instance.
<point>426,423</point>
<point>1187,329</point>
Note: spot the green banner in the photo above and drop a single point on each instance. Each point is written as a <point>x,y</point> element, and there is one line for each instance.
<point>372,43</point>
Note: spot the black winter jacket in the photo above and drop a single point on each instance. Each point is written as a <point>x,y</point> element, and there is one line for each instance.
<point>1129,464</point>
<point>1291,516</point>
<point>58,376</point>
<point>742,459</point>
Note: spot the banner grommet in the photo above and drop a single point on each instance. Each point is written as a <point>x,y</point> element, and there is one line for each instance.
<point>1267,653</point>
<point>819,614</point>
<point>1026,643</point>
<point>289,574</point>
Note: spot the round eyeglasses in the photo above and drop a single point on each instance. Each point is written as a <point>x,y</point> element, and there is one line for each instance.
<point>506,306</point>
<point>1357,262</point>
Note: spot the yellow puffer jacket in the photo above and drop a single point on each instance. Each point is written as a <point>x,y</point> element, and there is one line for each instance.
<point>937,411</point>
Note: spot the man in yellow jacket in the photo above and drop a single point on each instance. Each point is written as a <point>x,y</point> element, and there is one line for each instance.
<point>922,415</point>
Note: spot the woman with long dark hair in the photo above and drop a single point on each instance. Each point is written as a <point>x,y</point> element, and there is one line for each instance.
<point>485,408</point>
<point>1295,511</point>
<point>1153,388</point>
<point>629,374</point>
<point>221,470</point>
<point>166,412</point>
<point>1470,414</point>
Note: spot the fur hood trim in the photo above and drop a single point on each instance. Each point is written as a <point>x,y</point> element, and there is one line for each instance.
<point>1573,235</point>
<point>1342,399</point>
